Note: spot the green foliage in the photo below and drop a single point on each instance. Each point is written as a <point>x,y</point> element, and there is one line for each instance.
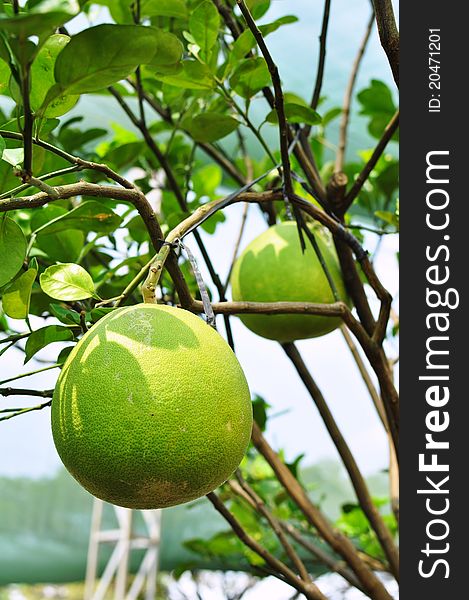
<point>67,282</point>
<point>41,338</point>
<point>202,98</point>
<point>17,297</point>
<point>12,249</point>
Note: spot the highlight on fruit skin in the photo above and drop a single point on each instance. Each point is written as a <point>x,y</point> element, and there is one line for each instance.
<point>273,268</point>
<point>151,409</point>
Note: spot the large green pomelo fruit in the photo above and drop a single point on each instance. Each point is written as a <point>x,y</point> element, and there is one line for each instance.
<point>151,409</point>
<point>273,268</point>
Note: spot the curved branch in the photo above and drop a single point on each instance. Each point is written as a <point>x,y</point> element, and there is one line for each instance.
<point>271,560</point>
<point>358,481</point>
<point>336,540</point>
<point>388,34</point>
<point>339,161</point>
<point>391,128</point>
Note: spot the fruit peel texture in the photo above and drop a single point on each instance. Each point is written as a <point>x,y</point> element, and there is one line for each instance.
<point>273,268</point>
<point>151,409</point>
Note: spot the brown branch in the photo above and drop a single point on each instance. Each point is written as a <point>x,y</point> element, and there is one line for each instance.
<point>278,92</point>
<point>303,156</point>
<point>209,149</point>
<point>277,565</point>
<point>129,193</point>
<point>370,345</point>
<point>359,484</point>
<point>337,541</point>
<point>24,392</point>
<point>391,128</point>
<point>377,402</point>
<point>237,245</point>
<point>259,506</point>
<point>322,55</point>
<point>388,34</point>
<point>334,565</point>
<point>339,161</point>
<point>173,184</point>
<point>336,309</point>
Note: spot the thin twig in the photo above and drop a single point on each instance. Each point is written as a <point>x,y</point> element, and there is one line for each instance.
<point>322,55</point>
<point>377,402</point>
<point>391,128</point>
<point>338,542</point>
<point>22,411</point>
<point>339,161</point>
<point>271,560</point>
<point>55,366</point>
<point>27,123</point>
<point>237,245</point>
<point>337,566</point>
<point>259,505</point>
<point>358,481</point>
<point>279,102</point>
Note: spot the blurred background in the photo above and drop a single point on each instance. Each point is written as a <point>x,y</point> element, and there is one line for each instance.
<point>45,516</point>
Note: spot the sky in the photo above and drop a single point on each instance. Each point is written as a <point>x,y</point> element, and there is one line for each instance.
<point>26,447</point>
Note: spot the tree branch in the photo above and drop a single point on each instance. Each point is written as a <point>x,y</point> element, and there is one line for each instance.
<point>277,565</point>
<point>388,34</point>
<point>322,55</point>
<point>337,541</point>
<point>242,488</point>
<point>173,184</point>
<point>339,161</point>
<point>24,392</point>
<point>359,484</point>
<point>370,165</point>
<point>22,411</point>
<point>279,103</point>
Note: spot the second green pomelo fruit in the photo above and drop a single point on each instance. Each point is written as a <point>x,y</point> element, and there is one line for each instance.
<point>151,409</point>
<point>273,268</point>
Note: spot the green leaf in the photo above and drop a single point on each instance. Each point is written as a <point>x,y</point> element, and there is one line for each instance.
<point>376,99</point>
<point>250,77</point>
<point>63,355</point>
<point>12,249</point>
<point>206,180</point>
<point>42,77</point>
<point>209,127</point>
<point>258,8</point>
<point>13,156</point>
<point>87,216</point>
<point>44,17</point>
<point>100,56</point>
<point>43,337</point>
<point>65,315</point>
<point>137,229</point>
<point>271,27</point>
<point>193,76</point>
<point>168,49</point>
<point>204,24</point>
<point>17,297</point>
<point>4,79</point>
<point>388,217</point>
<point>296,113</point>
<point>243,45</point>
<point>211,223</point>
<point>67,281</point>
<point>62,245</point>
<point>164,8</point>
